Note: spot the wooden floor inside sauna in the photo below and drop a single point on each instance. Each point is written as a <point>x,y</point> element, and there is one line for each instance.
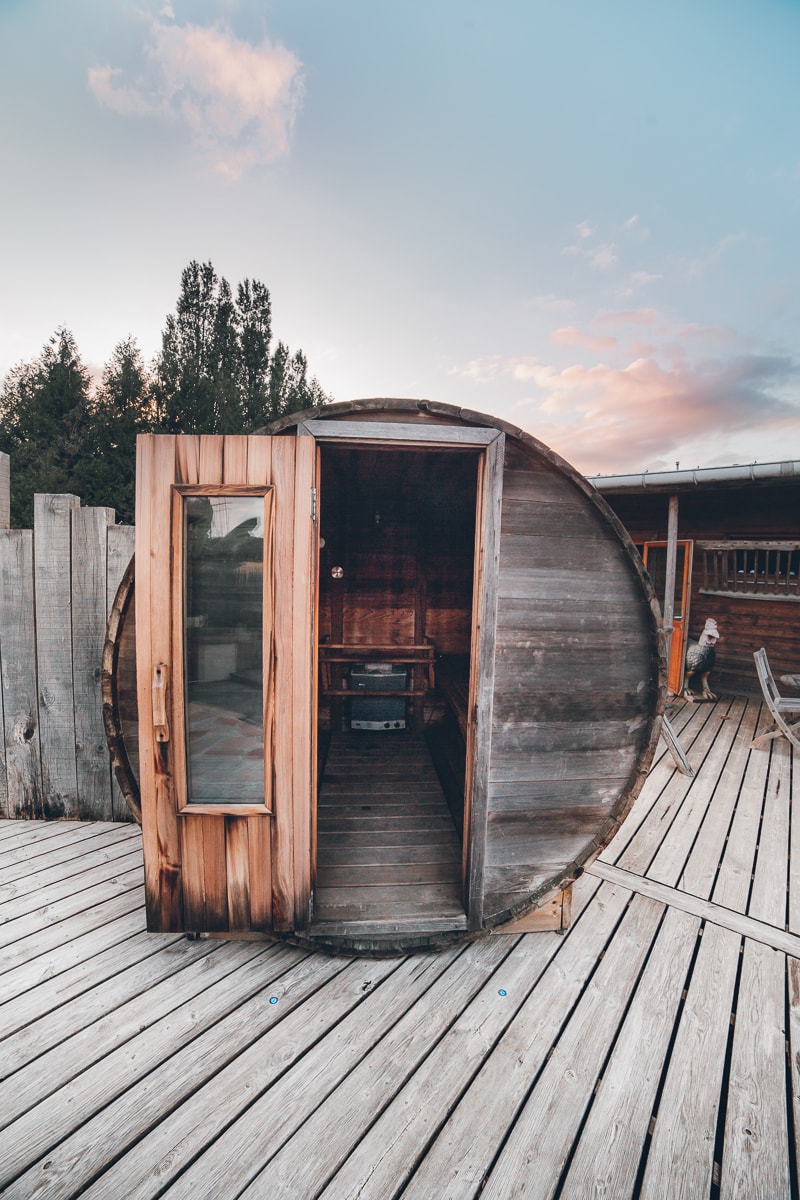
<point>387,847</point>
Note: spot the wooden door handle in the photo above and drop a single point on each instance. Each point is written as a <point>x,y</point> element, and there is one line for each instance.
<point>160,720</point>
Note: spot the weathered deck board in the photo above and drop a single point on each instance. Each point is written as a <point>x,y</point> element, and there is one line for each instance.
<point>307,1160</point>
<point>275,1038</point>
<point>199,997</point>
<point>119,967</point>
<point>755,1161</point>
<point>386,1154</point>
<point>768,896</point>
<point>668,864</point>
<point>688,724</point>
<point>461,1156</point>
<point>278,1113</point>
<point>63,879</point>
<point>102,909</point>
<point>686,1121</point>
<point>607,1158</point>
<point>702,864</point>
<point>58,864</point>
<point>536,1152</point>
<point>70,954</point>
<point>146,1065</point>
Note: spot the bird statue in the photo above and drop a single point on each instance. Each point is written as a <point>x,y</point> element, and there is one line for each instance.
<point>700,657</point>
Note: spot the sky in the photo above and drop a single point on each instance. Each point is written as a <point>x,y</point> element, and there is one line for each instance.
<point>579,217</point>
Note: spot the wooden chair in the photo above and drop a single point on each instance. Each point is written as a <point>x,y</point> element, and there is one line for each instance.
<point>779,706</point>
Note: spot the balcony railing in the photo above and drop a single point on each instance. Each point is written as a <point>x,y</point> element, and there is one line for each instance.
<point>753,570</point>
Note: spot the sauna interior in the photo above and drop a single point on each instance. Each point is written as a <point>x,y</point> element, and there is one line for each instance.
<point>396,582</point>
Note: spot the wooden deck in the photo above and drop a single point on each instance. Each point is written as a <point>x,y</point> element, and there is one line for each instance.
<point>652,1051</point>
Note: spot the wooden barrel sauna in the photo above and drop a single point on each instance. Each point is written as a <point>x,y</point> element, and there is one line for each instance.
<point>398,677</point>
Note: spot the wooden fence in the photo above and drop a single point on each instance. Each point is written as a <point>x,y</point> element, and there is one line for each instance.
<point>57,583</point>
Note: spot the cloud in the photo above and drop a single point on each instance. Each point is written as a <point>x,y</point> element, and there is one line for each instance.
<point>625,316</point>
<point>495,366</point>
<point>642,278</point>
<point>651,410</point>
<point>568,335</point>
<point>697,267</point>
<point>584,229</point>
<point>606,418</point>
<point>553,303</point>
<point>238,101</point>
<point>602,256</point>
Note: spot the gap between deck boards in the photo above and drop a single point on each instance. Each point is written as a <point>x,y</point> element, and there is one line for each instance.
<point>768,935</point>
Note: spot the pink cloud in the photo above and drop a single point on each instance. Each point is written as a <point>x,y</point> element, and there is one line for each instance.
<point>568,335</point>
<point>629,316</point>
<point>666,390</point>
<point>238,101</point>
<point>606,418</point>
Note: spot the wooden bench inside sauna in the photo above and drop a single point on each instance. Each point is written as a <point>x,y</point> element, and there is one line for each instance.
<point>398,678</point>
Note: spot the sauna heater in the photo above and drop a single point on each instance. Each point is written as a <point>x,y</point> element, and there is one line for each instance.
<point>374,711</point>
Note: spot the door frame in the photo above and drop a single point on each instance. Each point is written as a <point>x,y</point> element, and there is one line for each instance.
<point>680,625</point>
<point>490,445</point>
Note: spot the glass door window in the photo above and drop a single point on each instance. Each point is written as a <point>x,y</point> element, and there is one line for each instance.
<point>223,647</point>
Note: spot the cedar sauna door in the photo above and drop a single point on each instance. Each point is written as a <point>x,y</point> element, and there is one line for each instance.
<point>225,586</point>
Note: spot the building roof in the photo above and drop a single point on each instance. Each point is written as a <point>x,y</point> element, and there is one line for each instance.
<point>755,473</point>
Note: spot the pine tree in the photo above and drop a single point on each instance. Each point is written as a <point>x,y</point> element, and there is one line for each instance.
<point>255,312</point>
<point>121,409</point>
<point>45,424</point>
<point>215,372</point>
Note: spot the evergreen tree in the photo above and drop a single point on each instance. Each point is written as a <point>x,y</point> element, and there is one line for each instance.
<point>121,409</point>
<point>255,311</point>
<point>290,389</point>
<point>45,424</point>
<point>215,373</point>
<point>186,370</point>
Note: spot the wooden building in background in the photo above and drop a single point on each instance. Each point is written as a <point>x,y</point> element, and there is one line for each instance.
<point>737,531</point>
<point>399,677</point>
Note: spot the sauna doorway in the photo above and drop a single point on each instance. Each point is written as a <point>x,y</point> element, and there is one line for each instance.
<point>397,585</point>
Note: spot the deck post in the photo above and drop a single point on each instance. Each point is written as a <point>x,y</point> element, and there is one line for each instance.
<point>669,585</point>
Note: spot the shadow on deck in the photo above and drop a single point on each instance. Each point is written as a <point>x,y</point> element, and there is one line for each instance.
<point>650,1052</point>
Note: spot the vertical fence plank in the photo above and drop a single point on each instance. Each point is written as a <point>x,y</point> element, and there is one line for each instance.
<point>88,585</point>
<point>5,522</point>
<point>18,665</point>
<point>4,808</point>
<point>52,571</point>
<point>120,543</point>
<point>5,491</point>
